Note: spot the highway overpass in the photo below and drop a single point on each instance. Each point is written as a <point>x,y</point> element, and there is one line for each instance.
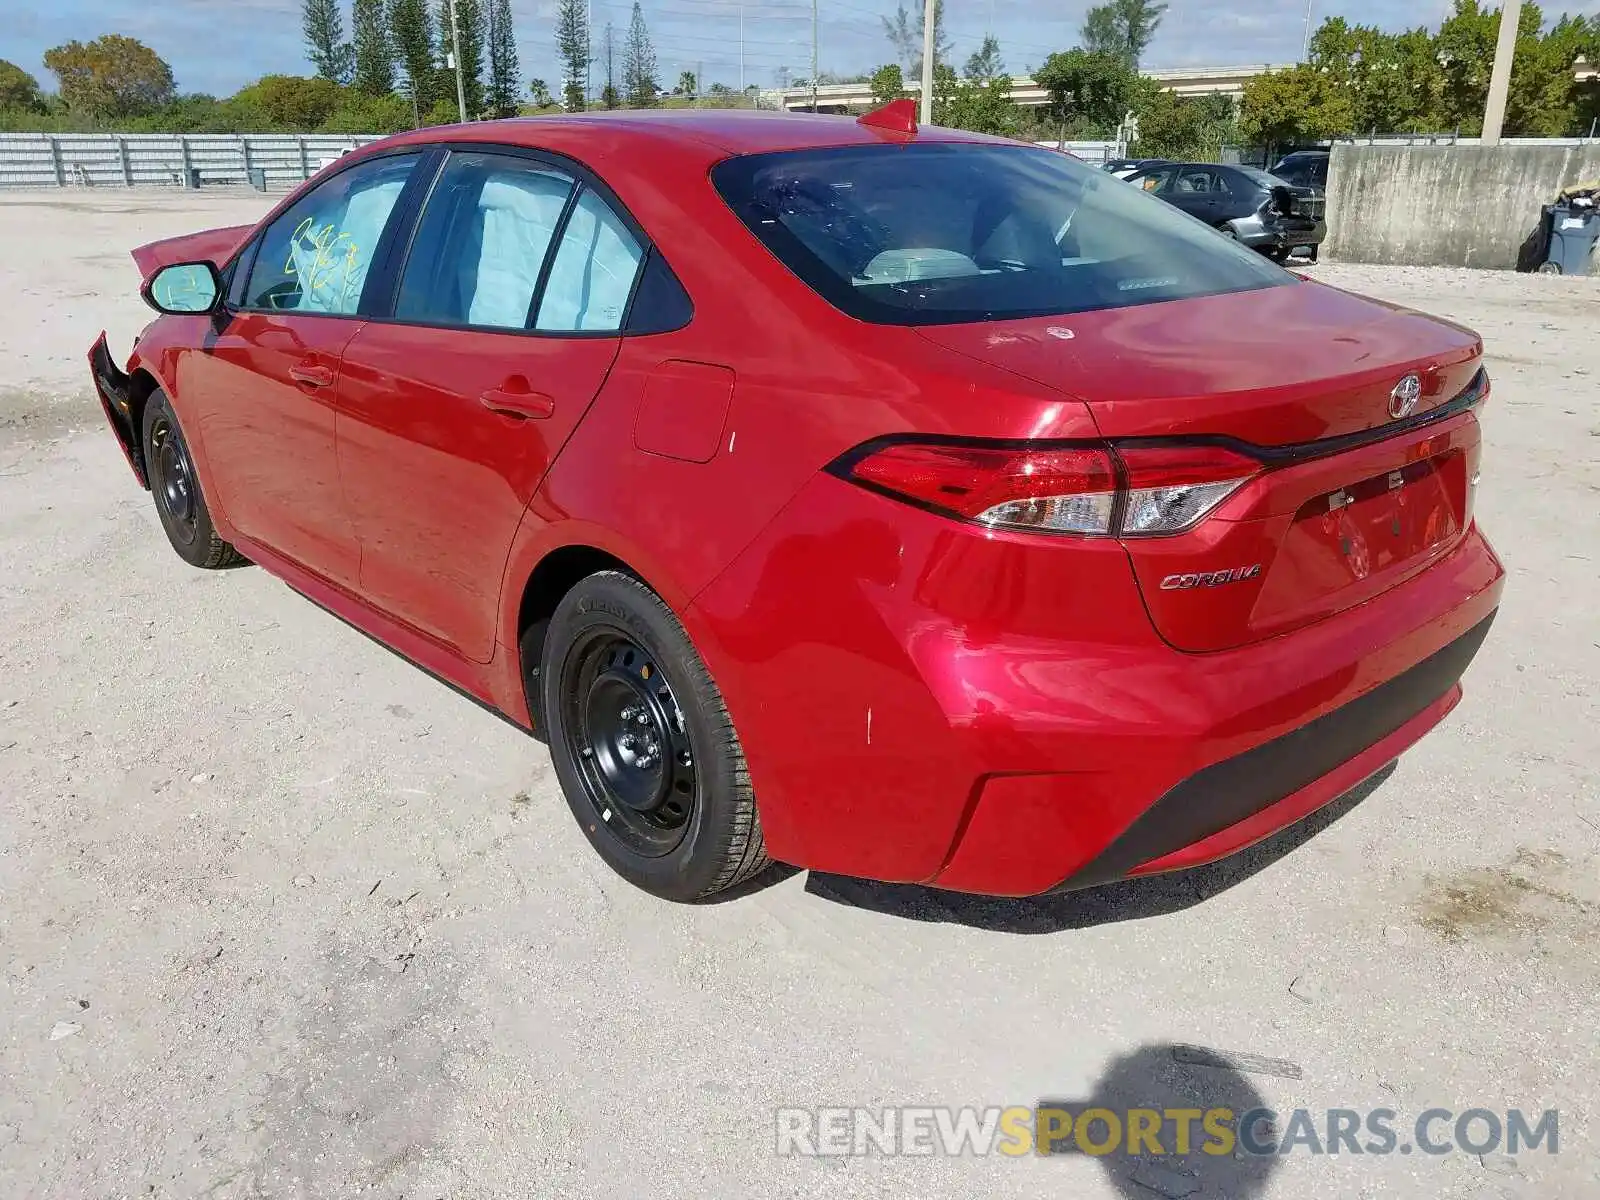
<point>1186,81</point>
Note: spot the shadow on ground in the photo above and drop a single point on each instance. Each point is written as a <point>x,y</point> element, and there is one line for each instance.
<point>1130,900</point>
<point>1161,1079</point>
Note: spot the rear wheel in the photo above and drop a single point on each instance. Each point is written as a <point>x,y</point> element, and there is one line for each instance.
<point>175,486</point>
<point>643,745</point>
<point>1278,255</point>
<point>1549,268</point>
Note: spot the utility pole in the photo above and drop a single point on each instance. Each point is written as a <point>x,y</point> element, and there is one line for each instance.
<point>1305,45</point>
<point>455,53</point>
<point>813,55</point>
<point>588,50</point>
<point>1505,49</point>
<point>928,10</point>
<point>741,50</point>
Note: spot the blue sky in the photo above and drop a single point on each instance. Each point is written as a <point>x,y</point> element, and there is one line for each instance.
<point>218,45</point>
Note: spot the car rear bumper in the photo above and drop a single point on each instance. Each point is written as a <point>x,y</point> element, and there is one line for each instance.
<point>1283,234</point>
<point>909,712</point>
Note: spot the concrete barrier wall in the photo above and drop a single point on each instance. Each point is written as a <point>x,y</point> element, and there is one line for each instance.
<point>33,160</point>
<point>1463,206</point>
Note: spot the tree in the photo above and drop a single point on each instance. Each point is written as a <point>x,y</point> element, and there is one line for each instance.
<point>1300,104</point>
<point>323,26</point>
<point>361,113</point>
<point>609,97</point>
<point>291,103</point>
<point>541,94</point>
<point>688,87</point>
<point>572,44</point>
<point>888,83</point>
<point>984,63</point>
<point>503,65</point>
<point>639,84</point>
<point>19,91</point>
<point>1090,91</point>
<point>981,105</point>
<point>1184,128</point>
<point>905,35</point>
<point>412,30</point>
<point>111,77</point>
<point>469,24</point>
<point>1122,27</point>
<point>374,54</point>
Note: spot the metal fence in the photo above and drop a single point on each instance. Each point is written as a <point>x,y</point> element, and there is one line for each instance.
<point>269,161</point>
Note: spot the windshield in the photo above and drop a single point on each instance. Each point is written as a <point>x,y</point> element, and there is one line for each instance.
<point>1299,171</point>
<point>941,233</point>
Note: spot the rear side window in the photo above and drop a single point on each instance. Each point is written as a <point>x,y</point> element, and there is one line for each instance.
<point>593,273</point>
<point>942,233</point>
<point>316,256</point>
<point>482,241</point>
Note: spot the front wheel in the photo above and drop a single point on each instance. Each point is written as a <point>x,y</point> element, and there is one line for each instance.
<point>643,745</point>
<point>175,486</point>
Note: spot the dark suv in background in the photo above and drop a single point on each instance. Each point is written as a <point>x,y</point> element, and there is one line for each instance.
<point>1264,212</point>
<point>1304,168</point>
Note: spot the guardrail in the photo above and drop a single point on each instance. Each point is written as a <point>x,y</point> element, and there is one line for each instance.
<point>268,161</point>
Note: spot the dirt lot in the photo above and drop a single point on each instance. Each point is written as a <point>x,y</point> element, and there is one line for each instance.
<point>281,917</point>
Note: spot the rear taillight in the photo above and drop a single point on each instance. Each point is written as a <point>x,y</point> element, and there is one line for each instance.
<point>1122,491</point>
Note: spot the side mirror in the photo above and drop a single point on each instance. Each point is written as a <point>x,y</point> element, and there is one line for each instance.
<point>183,288</point>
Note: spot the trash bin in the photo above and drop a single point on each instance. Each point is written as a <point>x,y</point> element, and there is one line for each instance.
<point>194,178</point>
<point>1574,228</point>
<point>258,178</point>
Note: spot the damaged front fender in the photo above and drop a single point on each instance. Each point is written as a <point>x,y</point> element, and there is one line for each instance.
<point>115,389</point>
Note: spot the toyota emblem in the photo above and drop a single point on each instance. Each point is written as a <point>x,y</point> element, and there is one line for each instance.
<point>1403,400</point>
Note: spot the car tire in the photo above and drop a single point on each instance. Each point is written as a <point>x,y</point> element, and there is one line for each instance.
<point>1278,256</point>
<point>175,487</point>
<point>643,745</point>
<point>1228,232</point>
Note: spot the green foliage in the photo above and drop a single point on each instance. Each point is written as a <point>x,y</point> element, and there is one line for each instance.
<point>111,78</point>
<point>289,102</point>
<point>540,91</point>
<point>19,91</point>
<point>360,113</point>
<point>887,83</point>
<point>374,52</point>
<point>687,85</point>
<point>501,93</point>
<point>572,44</point>
<point>983,106</point>
<point>985,64</point>
<point>323,27</point>
<point>411,29</point>
<point>445,111</point>
<point>639,84</point>
<point>610,97</point>
<point>1301,104</point>
<point>1184,128</point>
<point>1090,90</point>
<point>1124,28</point>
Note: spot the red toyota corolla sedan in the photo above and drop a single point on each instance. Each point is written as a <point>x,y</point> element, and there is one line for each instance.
<point>889,501</point>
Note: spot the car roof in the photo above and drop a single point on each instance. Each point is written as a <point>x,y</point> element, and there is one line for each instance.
<point>734,131</point>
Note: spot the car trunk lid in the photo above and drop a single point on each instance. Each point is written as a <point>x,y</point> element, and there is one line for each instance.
<point>1352,497</point>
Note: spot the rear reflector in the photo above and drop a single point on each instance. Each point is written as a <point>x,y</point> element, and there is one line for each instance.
<point>1073,490</point>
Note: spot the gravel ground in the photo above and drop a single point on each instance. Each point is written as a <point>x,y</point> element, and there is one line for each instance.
<point>281,917</point>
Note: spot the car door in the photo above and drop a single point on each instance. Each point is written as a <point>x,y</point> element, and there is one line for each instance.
<point>1199,192</point>
<point>265,386</point>
<point>506,319</point>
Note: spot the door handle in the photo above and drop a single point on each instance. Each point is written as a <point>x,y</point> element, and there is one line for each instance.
<point>521,405</point>
<point>311,374</point>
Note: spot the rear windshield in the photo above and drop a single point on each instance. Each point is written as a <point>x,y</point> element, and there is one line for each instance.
<point>1257,175</point>
<point>943,233</point>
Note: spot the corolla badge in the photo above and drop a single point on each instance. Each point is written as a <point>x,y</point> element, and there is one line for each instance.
<point>1403,400</point>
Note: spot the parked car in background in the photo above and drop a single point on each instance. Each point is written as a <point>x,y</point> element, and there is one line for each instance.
<point>891,501</point>
<point>1304,168</point>
<point>1245,203</point>
<point>1123,167</point>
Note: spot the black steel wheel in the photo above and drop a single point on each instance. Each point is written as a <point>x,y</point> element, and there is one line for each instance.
<point>629,739</point>
<point>642,742</point>
<point>175,487</point>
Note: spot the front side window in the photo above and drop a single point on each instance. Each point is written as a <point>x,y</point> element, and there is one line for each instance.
<point>482,242</point>
<point>942,233</point>
<point>316,256</point>
<point>593,273</point>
